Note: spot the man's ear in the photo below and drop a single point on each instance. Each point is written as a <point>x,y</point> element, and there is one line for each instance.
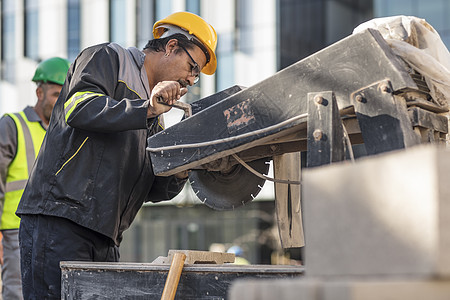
<point>170,46</point>
<point>40,92</point>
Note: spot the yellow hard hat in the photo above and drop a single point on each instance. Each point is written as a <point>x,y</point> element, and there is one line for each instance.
<point>193,27</point>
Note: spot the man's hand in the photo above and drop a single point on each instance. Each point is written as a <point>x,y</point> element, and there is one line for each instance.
<point>168,92</point>
<point>182,175</point>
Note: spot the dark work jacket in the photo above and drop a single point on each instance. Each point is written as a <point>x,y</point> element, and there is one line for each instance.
<point>93,167</point>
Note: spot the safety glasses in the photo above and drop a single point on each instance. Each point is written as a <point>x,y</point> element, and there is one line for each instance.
<point>195,69</point>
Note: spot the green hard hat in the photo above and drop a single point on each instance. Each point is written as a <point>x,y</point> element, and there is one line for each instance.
<point>53,70</point>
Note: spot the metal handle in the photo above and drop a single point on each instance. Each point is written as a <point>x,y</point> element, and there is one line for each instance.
<point>178,104</point>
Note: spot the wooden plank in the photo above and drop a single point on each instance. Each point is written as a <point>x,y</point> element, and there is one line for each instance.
<point>288,200</point>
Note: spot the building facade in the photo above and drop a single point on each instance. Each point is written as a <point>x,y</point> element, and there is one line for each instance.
<point>256,39</point>
<point>33,30</point>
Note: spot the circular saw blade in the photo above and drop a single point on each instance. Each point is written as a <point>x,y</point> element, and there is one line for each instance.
<point>226,191</point>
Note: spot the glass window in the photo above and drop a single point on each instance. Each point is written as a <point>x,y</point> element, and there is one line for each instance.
<point>163,9</point>
<point>117,21</point>
<point>446,39</point>
<point>402,7</point>
<point>145,12</point>
<point>385,8</point>
<point>379,8</point>
<point>160,228</point>
<point>435,12</point>
<point>193,6</point>
<point>31,29</point>
<point>225,62</point>
<point>244,26</point>
<point>73,29</point>
<point>8,40</point>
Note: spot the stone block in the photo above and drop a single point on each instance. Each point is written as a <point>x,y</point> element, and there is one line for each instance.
<point>274,289</point>
<point>412,289</point>
<point>340,289</point>
<point>387,214</point>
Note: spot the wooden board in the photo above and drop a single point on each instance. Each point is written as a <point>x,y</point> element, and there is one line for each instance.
<point>288,200</point>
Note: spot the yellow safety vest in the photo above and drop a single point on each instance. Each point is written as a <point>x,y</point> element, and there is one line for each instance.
<point>29,139</point>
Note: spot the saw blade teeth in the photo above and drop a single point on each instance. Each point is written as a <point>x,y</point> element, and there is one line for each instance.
<point>212,188</point>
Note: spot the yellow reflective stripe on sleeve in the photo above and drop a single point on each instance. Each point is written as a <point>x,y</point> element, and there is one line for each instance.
<point>76,98</point>
<point>72,156</point>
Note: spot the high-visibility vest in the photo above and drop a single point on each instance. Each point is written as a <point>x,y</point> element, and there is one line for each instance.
<point>29,139</point>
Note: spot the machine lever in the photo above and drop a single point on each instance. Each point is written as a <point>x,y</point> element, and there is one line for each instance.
<point>178,104</point>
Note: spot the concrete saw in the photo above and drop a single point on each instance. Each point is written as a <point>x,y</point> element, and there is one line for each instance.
<point>227,190</point>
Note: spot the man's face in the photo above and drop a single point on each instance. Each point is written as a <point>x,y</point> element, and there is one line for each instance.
<point>47,96</point>
<point>185,64</point>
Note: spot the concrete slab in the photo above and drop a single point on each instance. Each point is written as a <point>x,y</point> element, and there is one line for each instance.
<point>383,289</point>
<point>248,289</point>
<point>345,289</point>
<point>384,215</point>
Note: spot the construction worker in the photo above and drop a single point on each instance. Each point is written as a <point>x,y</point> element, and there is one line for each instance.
<point>93,172</point>
<point>21,136</point>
